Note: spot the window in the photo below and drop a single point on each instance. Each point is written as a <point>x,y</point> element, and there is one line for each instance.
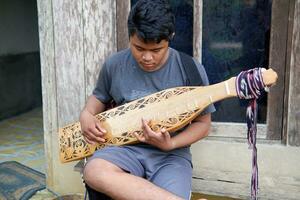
<point>235,38</point>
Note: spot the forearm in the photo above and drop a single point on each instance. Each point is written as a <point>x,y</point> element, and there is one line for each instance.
<point>93,105</point>
<point>193,133</point>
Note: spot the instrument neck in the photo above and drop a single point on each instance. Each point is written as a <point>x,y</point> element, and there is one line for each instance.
<point>214,93</point>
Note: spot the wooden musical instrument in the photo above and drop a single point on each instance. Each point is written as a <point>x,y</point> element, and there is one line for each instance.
<point>171,109</point>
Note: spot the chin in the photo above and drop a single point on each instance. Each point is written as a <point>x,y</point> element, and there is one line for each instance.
<point>148,67</point>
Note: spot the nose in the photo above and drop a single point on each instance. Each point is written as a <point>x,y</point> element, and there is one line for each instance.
<point>147,56</point>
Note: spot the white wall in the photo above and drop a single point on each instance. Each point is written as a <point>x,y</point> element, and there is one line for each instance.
<point>223,167</point>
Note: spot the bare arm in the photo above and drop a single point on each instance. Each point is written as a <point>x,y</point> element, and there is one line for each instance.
<point>90,126</point>
<point>94,106</point>
<point>197,130</point>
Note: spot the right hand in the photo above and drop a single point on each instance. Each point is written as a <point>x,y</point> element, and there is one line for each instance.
<point>91,128</point>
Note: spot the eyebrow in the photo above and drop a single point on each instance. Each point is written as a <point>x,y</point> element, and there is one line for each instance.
<point>149,49</point>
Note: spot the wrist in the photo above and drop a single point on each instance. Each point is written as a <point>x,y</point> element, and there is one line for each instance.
<point>87,111</point>
<point>84,113</point>
<point>173,144</point>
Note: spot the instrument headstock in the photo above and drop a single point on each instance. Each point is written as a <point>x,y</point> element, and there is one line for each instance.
<point>269,77</point>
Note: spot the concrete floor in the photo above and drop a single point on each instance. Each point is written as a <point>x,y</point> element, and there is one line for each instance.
<point>22,140</point>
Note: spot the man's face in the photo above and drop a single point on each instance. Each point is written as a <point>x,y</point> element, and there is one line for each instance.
<point>151,55</point>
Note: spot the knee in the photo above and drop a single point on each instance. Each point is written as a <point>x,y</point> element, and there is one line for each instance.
<point>97,171</point>
<point>91,171</point>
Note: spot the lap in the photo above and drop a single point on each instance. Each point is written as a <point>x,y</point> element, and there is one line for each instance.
<point>175,175</point>
<point>166,170</point>
<point>120,157</point>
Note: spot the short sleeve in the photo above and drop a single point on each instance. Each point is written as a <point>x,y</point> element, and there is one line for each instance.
<point>102,89</point>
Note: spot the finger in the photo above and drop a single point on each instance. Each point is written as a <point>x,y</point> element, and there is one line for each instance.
<point>166,133</point>
<point>139,137</point>
<point>96,138</point>
<point>95,130</point>
<point>90,137</point>
<point>101,140</point>
<point>97,135</point>
<point>147,130</point>
<point>86,135</point>
<point>88,140</point>
<point>145,133</point>
<point>100,128</point>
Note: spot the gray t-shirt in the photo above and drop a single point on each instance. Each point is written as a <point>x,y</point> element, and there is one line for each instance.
<point>122,80</point>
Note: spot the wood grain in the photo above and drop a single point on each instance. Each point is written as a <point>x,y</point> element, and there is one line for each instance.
<point>293,126</point>
<point>99,38</point>
<point>47,56</point>
<point>123,8</point>
<point>197,30</point>
<point>277,61</point>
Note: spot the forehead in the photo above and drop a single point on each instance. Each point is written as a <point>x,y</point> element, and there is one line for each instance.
<point>136,41</point>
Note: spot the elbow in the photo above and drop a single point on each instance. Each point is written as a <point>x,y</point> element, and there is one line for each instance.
<point>207,130</point>
<point>206,133</point>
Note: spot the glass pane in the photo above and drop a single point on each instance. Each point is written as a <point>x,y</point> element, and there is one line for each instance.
<point>183,11</point>
<point>235,38</point>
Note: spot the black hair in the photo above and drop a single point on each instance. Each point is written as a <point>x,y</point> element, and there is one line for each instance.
<point>151,20</point>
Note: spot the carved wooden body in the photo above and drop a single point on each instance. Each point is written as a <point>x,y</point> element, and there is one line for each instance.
<point>171,109</point>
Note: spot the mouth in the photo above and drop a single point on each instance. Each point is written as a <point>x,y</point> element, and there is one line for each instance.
<point>147,65</point>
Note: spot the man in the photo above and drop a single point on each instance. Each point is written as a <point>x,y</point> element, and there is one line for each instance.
<point>160,166</point>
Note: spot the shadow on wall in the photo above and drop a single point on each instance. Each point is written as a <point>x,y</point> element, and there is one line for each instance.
<point>20,83</point>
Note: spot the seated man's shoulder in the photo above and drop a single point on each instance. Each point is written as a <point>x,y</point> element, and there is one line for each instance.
<point>119,57</point>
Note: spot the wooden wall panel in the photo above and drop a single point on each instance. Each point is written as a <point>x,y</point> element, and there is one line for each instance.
<point>123,8</point>
<point>287,71</point>
<point>197,30</point>
<point>99,37</point>
<point>46,38</point>
<point>69,85</point>
<point>69,59</point>
<point>277,61</point>
<point>75,38</point>
<point>293,126</point>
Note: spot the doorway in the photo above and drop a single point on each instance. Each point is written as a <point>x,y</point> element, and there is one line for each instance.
<point>21,118</point>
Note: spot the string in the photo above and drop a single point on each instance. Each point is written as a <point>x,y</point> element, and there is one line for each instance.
<point>250,85</point>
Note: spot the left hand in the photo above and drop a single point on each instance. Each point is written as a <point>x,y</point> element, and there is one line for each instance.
<point>160,139</point>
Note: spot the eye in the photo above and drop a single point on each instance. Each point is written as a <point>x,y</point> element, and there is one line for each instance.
<point>156,50</point>
<point>139,48</point>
